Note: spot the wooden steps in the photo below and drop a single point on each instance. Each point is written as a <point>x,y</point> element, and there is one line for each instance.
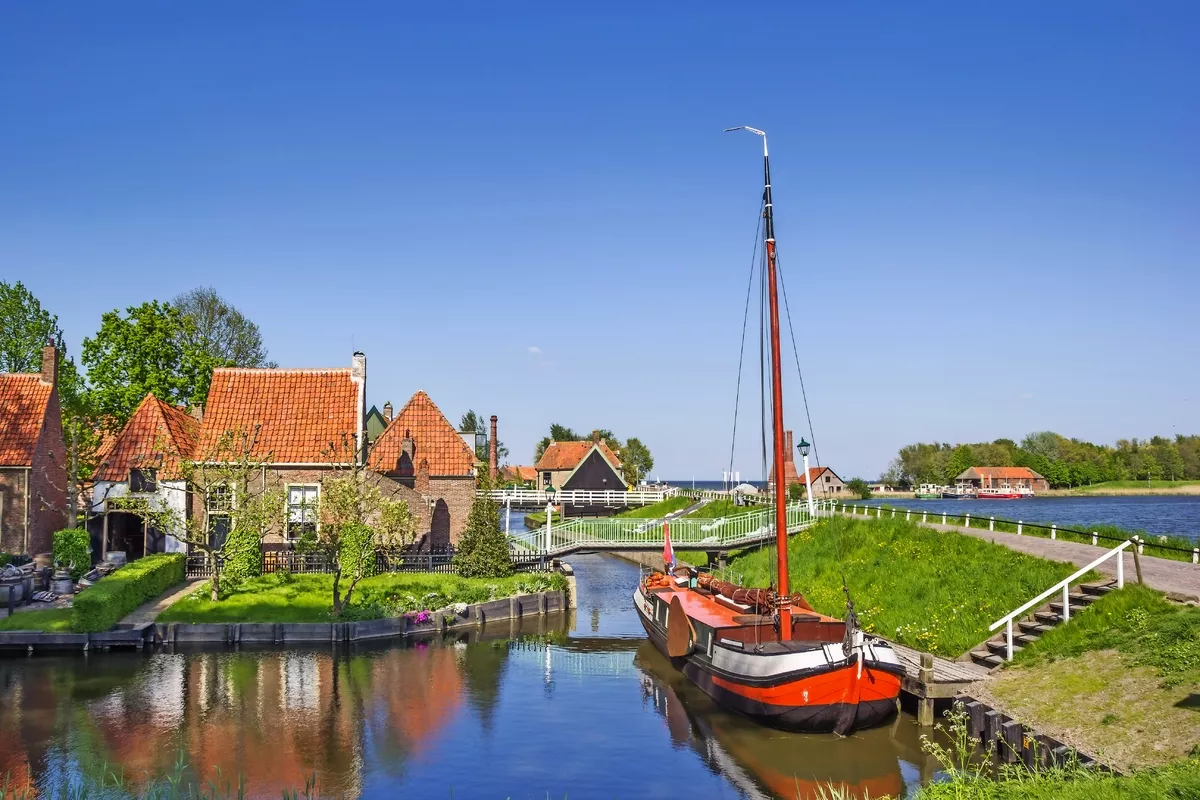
<point>991,654</point>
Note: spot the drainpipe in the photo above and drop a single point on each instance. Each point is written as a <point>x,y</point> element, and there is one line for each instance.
<point>492,451</point>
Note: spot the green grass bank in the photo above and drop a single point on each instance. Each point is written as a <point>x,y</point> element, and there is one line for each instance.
<point>927,589</point>
<point>285,597</point>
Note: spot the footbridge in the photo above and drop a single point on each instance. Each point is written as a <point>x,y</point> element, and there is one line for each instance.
<point>558,539</point>
<point>537,498</point>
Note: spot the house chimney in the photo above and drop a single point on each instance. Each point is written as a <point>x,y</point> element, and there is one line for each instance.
<point>196,413</point>
<point>387,411</point>
<point>406,444</point>
<point>49,364</point>
<point>595,437</point>
<point>787,447</point>
<point>358,375</point>
<point>492,450</point>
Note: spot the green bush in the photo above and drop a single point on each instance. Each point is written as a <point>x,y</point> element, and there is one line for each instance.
<point>795,491</point>
<point>356,539</point>
<point>73,548</point>
<point>103,605</point>
<point>483,549</point>
<point>243,557</point>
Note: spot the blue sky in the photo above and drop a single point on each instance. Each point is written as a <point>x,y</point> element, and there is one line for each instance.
<point>987,217</point>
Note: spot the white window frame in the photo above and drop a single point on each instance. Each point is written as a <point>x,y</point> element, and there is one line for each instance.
<point>287,511</point>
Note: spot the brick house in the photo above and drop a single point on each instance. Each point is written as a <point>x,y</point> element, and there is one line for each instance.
<point>423,452</point>
<point>143,462</point>
<point>584,466</point>
<point>33,459</point>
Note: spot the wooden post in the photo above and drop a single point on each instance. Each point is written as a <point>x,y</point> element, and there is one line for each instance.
<point>1095,539</point>
<point>104,535</point>
<point>1137,561</point>
<point>1018,527</point>
<point>1053,531</point>
<point>991,523</point>
<point>925,704</point>
<point>924,514</point>
<point>968,520</point>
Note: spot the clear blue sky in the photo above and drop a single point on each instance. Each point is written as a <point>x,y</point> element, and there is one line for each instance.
<point>988,215</point>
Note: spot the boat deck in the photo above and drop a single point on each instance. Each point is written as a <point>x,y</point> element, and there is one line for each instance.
<point>949,678</point>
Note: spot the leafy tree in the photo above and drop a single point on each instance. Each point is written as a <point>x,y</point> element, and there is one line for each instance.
<point>859,487</point>
<point>558,433</point>
<point>961,459</point>
<point>359,513</point>
<point>483,548</point>
<point>636,460</point>
<point>219,330</point>
<point>25,328</point>
<point>145,351</point>
<point>795,491</point>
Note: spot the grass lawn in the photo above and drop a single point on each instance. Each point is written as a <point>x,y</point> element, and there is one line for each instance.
<point>51,620</point>
<point>933,591</point>
<point>725,508</point>
<point>659,509</point>
<point>282,597</point>
<point>1122,679</point>
<point>1136,485</point>
<point>1179,780</point>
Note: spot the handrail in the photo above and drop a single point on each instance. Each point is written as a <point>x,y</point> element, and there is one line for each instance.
<point>1065,585</point>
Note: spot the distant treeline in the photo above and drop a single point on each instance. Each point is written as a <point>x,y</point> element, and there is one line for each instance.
<point>1064,462</point>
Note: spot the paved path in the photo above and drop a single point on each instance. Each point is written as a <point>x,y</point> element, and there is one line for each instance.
<point>148,612</point>
<point>1179,579</point>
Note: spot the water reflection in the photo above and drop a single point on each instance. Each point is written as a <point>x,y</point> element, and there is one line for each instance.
<point>579,706</point>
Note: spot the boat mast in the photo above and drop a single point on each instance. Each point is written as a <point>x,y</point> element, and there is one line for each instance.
<point>783,598</point>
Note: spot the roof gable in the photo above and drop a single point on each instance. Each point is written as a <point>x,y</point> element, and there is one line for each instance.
<point>299,414</point>
<point>435,441</point>
<point>157,435</point>
<point>999,472</point>
<point>568,455</point>
<point>24,401</point>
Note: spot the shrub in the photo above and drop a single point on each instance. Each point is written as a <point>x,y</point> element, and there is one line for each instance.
<point>795,491</point>
<point>483,549</point>
<point>73,548</point>
<point>103,605</point>
<point>355,540</point>
<point>243,556</point>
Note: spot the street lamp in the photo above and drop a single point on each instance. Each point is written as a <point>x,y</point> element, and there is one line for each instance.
<point>803,448</point>
<point>549,514</point>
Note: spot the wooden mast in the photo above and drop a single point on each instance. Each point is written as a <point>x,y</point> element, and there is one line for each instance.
<point>784,601</point>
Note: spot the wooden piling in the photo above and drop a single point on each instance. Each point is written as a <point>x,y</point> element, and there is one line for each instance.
<point>925,704</point>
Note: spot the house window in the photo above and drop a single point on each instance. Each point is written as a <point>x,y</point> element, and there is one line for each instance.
<point>827,479</point>
<point>219,504</point>
<point>302,507</point>
<point>143,480</point>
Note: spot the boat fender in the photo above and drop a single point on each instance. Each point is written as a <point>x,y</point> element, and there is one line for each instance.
<point>681,636</point>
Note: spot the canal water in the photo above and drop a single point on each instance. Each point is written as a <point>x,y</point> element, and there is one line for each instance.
<point>577,706</point>
<point>1165,514</point>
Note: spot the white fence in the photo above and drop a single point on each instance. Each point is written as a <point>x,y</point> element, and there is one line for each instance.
<point>538,497</point>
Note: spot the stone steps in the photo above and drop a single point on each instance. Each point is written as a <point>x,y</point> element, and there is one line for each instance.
<point>991,654</point>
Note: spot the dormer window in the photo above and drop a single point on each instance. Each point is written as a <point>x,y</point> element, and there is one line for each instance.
<point>143,480</point>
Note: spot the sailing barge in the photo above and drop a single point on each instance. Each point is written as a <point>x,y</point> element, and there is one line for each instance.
<point>763,652</point>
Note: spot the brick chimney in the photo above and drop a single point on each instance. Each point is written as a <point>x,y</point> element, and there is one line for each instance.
<point>595,437</point>
<point>196,413</point>
<point>49,364</point>
<point>492,450</point>
<point>387,411</point>
<point>787,444</point>
<point>358,375</point>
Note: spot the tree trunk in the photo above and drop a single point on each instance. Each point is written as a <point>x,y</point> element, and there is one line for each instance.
<point>337,600</point>
<point>215,582</point>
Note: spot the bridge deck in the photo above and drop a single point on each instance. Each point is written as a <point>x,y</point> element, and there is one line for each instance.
<point>949,677</point>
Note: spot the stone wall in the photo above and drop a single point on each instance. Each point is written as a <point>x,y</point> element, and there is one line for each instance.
<point>12,509</point>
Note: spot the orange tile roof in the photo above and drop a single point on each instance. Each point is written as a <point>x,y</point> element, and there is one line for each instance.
<point>157,435</point>
<point>300,413</point>
<point>434,440</point>
<point>567,455</point>
<point>1005,472</point>
<point>23,402</point>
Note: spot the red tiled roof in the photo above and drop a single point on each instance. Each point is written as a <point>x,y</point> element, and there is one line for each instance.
<point>157,435</point>
<point>434,441</point>
<point>1003,472</point>
<point>300,413</point>
<point>567,455</point>
<point>23,401</point>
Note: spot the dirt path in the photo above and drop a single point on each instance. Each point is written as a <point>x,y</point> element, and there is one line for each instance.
<point>1179,579</point>
<point>148,612</point>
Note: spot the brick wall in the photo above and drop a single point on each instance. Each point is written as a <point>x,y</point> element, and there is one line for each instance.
<point>48,482</point>
<point>12,514</point>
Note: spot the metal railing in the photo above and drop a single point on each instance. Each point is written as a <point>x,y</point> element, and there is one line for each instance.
<point>616,533</point>
<point>633,497</point>
<point>1065,587</point>
<point>439,560</point>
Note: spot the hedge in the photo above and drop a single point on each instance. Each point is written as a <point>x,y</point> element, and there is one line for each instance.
<point>103,605</point>
<point>73,548</point>
<point>243,557</point>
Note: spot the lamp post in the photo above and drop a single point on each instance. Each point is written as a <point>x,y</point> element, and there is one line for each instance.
<point>803,448</point>
<point>549,514</point>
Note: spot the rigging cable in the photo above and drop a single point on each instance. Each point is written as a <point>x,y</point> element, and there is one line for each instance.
<point>742,348</point>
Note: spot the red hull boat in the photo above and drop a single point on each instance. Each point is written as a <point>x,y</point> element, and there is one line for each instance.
<point>762,652</point>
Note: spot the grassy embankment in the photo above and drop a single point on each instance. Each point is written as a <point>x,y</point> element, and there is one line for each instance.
<point>51,620</point>
<point>284,597</point>
<point>929,590</point>
<point>1178,548</point>
<point>1132,488</point>
<point>1122,680</point>
<point>537,519</point>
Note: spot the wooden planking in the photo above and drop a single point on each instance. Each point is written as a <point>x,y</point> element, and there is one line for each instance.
<point>949,677</point>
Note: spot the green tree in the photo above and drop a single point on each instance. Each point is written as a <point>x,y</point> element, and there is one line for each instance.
<point>219,330</point>
<point>25,328</point>
<point>636,460</point>
<point>961,459</point>
<point>859,487</point>
<point>558,433</point>
<point>483,548</point>
<point>145,351</point>
<point>476,422</point>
